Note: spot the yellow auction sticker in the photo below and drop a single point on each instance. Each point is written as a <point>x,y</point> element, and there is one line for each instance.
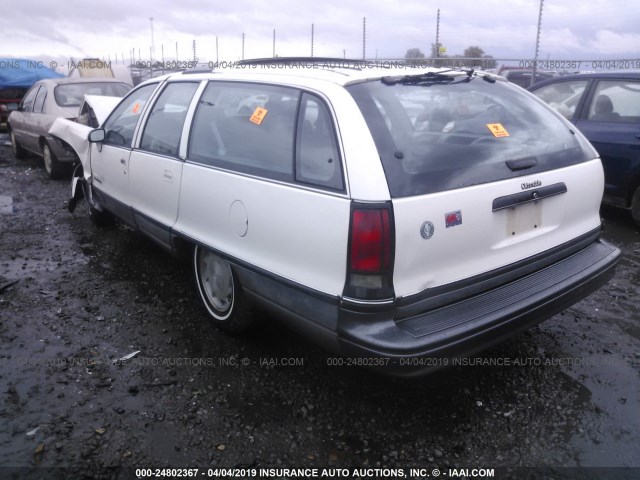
<point>136,107</point>
<point>258,115</point>
<point>497,129</point>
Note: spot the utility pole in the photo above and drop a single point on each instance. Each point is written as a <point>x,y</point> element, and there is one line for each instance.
<point>312,32</point>
<point>438,34</point>
<point>535,59</point>
<point>217,59</point>
<point>153,46</point>
<point>194,50</point>
<point>364,37</point>
<point>243,46</point>
<point>274,43</point>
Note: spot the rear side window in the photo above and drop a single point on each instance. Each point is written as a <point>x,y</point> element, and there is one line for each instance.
<point>163,129</point>
<point>39,105</point>
<point>317,158</point>
<point>440,135</point>
<point>616,101</point>
<point>248,128</point>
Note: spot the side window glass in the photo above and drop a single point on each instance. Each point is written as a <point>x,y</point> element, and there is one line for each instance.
<point>616,101</point>
<point>29,99</point>
<point>121,124</point>
<point>38,106</point>
<point>249,128</point>
<point>317,158</point>
<point>563,96</point>
<point>163,129</point>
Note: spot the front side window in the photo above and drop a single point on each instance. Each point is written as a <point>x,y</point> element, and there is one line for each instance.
<point>563,96</point>
<point>29,99</point>
<point>616,101</point>
<point>317,159</point>
<point>246,127</point>
<point>436,134</point>
<point>163,129</point>
<point>121,124</point>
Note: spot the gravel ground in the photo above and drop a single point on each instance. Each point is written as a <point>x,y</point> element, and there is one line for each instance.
<point>74,299</point>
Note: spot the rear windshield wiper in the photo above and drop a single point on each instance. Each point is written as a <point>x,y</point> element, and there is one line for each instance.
<point>429,78</point>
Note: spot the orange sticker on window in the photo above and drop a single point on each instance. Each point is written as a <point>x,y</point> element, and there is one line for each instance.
<point>136,107</point>
<point>497,129</point>
<point>258,115</point>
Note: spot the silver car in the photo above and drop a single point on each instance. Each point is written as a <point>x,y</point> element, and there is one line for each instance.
<point>43,103</point>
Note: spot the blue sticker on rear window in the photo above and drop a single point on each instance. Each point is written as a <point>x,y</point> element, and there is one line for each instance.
<point>453,218</point>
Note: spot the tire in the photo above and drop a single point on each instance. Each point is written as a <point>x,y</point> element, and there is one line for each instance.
<point>54,168</point>
<point>19,152</point>
<point>635,207</point>
<point>100,218</point>
<point>220,292</point>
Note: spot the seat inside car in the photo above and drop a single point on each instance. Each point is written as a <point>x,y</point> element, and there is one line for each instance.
<point>603,109</point>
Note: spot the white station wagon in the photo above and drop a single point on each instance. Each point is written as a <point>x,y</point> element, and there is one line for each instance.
<point>398,216</point>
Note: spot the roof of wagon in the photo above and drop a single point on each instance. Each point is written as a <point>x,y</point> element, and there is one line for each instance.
<point>295,69</point>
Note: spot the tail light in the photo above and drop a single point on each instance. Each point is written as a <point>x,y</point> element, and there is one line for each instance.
<point>371,245</point>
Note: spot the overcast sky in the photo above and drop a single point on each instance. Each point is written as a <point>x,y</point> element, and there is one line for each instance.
<point>571,29</point>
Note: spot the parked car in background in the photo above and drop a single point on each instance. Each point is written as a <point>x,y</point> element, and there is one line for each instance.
<point>522,76</point>
<point>606,109</point>
<point>44,102</point>
<point>17,75</point>
<point>398,217</point>
<point>9,101</point>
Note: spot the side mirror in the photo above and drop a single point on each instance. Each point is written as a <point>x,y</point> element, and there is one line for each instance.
<point>96,136</point>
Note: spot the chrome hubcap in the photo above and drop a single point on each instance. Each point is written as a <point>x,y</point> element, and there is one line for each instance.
<point>46,154</point>
<point>217,280</point>
<point>14,144</point>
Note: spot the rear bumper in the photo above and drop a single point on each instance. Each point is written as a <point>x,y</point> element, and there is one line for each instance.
<point>426,341</point>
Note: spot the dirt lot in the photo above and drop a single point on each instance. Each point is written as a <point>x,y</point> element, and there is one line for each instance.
<point>75,298</point>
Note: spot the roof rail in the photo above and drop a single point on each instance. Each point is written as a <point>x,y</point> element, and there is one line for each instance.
<point>197,69</point>
<point>320,62</point>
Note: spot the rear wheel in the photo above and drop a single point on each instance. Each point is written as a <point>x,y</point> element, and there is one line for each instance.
<point>54,168</point>
<point>635,207</point>
<point>18,151</point>
<point>220,292</point>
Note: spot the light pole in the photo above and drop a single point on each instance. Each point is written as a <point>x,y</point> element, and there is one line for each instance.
<point>153,46</point>
<point>535,59</point>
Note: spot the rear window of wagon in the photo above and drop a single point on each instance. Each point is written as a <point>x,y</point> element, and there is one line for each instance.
<point>442,136</point>
<point>72,94</point>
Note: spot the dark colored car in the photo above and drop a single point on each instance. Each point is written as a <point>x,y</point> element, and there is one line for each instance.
<point>9,101</point>
<point>522,78</point>
<point>606,109</point>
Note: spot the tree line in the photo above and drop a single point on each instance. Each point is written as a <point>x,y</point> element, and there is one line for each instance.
<point>441,59</point>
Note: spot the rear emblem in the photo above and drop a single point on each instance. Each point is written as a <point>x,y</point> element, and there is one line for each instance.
<point>453,218</point>
<point>426,230</point>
